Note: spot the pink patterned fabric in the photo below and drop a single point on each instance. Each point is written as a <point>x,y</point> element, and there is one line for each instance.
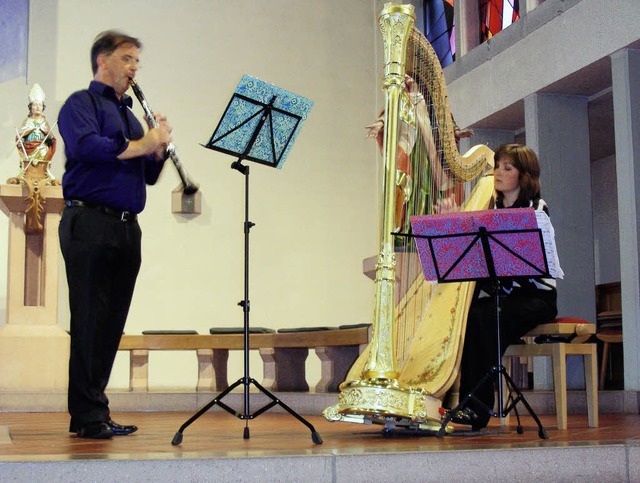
<point>449,235</point>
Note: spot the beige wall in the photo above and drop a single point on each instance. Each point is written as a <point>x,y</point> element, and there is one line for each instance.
<point>316,219</point>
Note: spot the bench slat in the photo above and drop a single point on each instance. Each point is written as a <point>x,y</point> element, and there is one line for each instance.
<point>326,338</point>
<point>322,338</point>
<point>193,342</point>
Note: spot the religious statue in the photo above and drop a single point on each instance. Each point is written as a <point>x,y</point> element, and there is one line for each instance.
<point>36,146</point>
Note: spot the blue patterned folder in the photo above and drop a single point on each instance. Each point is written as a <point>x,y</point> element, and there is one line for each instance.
<point>260,123</point>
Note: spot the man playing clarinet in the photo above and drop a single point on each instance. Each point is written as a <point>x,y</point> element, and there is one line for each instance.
<point>109,162</point>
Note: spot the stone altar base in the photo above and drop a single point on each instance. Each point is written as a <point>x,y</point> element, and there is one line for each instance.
<point>33,358</point>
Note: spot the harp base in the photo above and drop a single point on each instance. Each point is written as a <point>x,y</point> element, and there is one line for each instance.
<point>384,401</point>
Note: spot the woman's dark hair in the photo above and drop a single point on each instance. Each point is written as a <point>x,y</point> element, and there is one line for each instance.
<point>107,42</point>
<point>526,162</point>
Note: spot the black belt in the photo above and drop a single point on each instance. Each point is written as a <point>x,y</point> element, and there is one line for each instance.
<point>123,215</point>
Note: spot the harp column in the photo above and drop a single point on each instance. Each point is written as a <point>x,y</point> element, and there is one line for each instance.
<point>34,349</point>
<point>378,393</point>
<point>396,22</point>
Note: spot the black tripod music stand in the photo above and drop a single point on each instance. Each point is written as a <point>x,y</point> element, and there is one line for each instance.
<point>259,124</point>
<point>481,246</point>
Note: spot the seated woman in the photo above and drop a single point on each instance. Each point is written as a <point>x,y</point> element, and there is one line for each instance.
<point>524,302</point>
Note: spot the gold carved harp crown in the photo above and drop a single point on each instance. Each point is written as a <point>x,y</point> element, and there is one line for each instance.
<point>418,327</point>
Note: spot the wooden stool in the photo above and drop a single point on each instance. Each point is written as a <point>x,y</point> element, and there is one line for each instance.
<point>579,331</point>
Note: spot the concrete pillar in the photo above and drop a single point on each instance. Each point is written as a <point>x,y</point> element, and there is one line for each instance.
<point>466,17</point>
<point>625,67</point>
<point>557,129</point>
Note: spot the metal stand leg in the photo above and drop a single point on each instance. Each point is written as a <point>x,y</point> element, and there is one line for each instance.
<point>246,381</point>
<point>498,370</point>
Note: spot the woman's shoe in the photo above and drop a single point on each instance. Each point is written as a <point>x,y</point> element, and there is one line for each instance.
<point>468,417</point>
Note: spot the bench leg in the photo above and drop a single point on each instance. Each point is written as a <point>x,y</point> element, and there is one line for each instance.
<point>335,363</point>
<point>559,363</point>
<point>290,369</point>
<point>139,370</point>
<point>591,383</point>
<point>212,370</point>
<point>220,364</point>
<point>205,370</point>
<point>268,368</point>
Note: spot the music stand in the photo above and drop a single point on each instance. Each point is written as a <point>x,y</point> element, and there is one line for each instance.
<point>259,124</point>
<point>491,244</point>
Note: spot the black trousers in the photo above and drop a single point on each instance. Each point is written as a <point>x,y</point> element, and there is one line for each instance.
<point>519,314</point>
<point>102,259</point>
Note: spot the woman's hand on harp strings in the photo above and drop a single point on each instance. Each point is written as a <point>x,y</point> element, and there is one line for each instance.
<point>374,129</point>
<point>446,205</point>
<point>462,133</point>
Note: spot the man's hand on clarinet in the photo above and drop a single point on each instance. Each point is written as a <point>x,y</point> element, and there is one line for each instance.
<point>161,136</point>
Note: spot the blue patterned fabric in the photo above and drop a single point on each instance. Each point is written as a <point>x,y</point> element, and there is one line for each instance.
<point>246,114</point>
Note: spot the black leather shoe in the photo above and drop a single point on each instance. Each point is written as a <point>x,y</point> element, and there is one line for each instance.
<point>95,431</point>
<point>121,430</point>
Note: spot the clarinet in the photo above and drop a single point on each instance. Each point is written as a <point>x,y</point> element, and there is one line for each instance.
<point>188,186</point>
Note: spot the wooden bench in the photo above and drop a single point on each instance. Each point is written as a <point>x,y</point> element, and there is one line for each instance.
<point>283,355</point>
<point>337,349</point>
<point>579,331</point>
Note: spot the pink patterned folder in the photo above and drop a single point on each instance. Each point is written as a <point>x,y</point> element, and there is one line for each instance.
<point>450,247</point>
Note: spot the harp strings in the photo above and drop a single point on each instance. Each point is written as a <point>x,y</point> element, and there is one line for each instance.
<point>420,200</point>
<point>433,187</point>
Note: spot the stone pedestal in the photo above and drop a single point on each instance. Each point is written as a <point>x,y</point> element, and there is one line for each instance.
<point>34,350</point>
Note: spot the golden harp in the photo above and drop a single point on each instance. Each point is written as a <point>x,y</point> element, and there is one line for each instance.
<point>418,332</point>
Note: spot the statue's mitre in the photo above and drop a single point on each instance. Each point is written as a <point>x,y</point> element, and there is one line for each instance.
<point>36,94</point>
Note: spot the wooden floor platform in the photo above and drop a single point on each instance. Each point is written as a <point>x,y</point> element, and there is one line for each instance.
<point>280,448</point>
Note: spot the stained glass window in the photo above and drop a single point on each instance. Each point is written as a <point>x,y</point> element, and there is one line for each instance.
<point>496,15</point>
<point>439,29</point>
<point>14,21</point>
